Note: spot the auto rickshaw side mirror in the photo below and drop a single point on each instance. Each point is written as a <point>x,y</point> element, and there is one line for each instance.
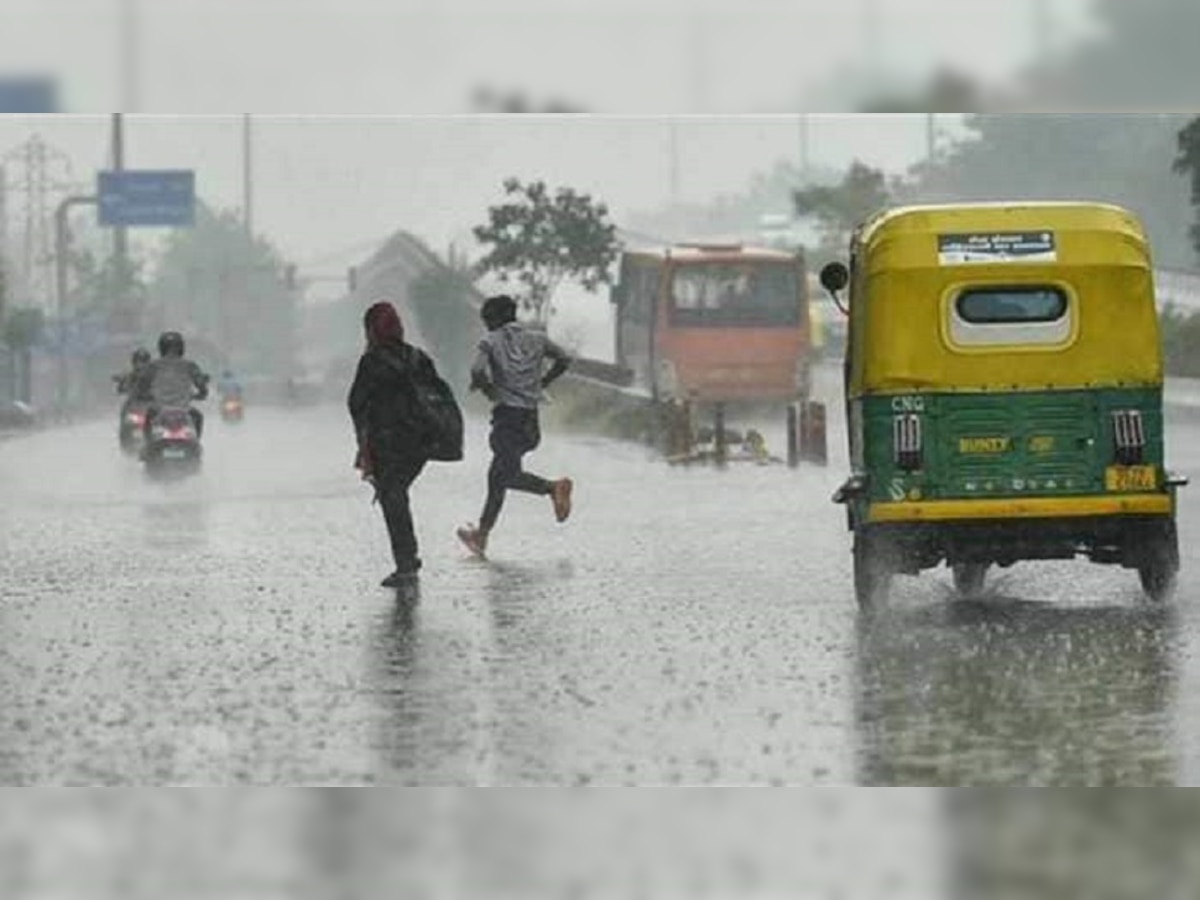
<point>834,277</point>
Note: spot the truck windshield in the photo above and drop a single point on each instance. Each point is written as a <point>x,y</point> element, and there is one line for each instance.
<point>726,294</point>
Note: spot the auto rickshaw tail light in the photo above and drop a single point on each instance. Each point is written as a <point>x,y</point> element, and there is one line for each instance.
<point>1129,437</point>
<point>906,441</point>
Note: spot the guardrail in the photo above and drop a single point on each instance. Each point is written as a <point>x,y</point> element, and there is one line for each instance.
<point>1182,393</point>
<point>610,373</point>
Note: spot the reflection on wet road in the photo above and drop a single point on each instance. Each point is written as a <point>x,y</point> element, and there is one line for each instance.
<point>687,626</point>
<point>1009,691</point>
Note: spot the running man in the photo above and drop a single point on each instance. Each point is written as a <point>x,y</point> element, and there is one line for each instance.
<point>509,371</point>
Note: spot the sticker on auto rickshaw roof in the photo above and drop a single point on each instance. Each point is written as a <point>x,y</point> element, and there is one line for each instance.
<point>996,247</point>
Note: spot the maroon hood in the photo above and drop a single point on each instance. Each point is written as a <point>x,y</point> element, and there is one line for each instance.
<point>383,324</point>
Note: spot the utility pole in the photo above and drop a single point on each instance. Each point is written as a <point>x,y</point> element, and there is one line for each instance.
<point>698,56</point>
<point>121,290</point>
<point>676,217</point>
<point>130,56</point>
<point>805,139</point>
<point>247,176</point>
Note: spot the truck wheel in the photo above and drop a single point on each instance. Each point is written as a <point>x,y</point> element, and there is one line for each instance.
<point>874,567</point>
<point>969,579</point>
<point>1160,563</point>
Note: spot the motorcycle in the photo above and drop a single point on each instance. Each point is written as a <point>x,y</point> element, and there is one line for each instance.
<point>232,409</point>
<point>173,444</point>
<point>131,430</point>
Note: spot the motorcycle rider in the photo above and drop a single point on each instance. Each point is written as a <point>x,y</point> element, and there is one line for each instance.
<point>135,396</point>
<point>128,382</point>
<point>137,361</point>
<point>172,381</point>
<point>228,386</point>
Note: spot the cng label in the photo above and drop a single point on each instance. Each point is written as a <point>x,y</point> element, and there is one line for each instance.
<point>984,445</point>
<point>908,404</point>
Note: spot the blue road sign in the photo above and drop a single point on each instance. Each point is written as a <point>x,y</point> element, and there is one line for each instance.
<point>28,94</point>
<point>147,197</point>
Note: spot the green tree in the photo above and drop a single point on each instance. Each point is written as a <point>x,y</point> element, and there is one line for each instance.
<point>1181,343</point>
<point>947,91</point>
<point>1145,56</point>
<point>1187,162</point>
<point>443,301</point>
<point>539,239</point>
<point>1122,159</point>
<point>839,208</point>
<point>22,330</point>
<point>225,289</point>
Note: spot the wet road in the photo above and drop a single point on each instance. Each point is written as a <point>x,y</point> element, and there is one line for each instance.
<point>685,627</point>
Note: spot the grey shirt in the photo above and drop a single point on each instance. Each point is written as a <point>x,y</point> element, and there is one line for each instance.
<point>511,360</point>
<point>173,382</point>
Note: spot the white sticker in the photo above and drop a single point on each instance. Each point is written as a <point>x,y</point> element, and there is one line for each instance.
<point>996,247</point>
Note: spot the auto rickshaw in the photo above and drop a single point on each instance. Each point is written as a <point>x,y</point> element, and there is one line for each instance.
<point>1003,388</point>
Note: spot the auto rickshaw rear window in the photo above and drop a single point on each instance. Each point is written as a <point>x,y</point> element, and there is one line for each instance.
<point>1019,305</point>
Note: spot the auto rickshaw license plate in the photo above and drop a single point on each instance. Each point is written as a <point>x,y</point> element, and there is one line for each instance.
<point>1131,478</point>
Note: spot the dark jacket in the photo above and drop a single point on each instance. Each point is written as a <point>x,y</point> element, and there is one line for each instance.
<point>381,403</point>
<point>171,381</point>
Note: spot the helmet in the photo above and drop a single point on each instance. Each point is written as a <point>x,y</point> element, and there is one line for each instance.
<point>498,310</point>
<point>140,357</point>
<point>170,343</point>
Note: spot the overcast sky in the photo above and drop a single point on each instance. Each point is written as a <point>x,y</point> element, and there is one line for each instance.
<point>324,183</point>
<point>424,56</point>
<point>327,177</point>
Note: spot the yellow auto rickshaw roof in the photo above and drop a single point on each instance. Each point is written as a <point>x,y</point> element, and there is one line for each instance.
<point>1060,216</point>
<point>1101,257</point>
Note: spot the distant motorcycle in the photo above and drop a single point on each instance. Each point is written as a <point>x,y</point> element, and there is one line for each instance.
<point>232,409</point>
<point>172,445</point>
<point>131,430</point>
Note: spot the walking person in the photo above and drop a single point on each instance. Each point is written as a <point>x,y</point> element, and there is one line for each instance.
<point>509,371</point>
<point>390,451</point>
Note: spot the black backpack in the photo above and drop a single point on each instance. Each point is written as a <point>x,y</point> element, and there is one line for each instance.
<point>438,419</point>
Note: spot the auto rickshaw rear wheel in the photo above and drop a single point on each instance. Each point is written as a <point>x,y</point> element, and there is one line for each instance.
<point>1159,566</point>
<point>874,568</point>
<point>969,578</point>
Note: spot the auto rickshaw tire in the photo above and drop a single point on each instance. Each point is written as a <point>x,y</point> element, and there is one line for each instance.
<point>874,569</point>
<point>969,579</point>
<point>1159,569</point>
